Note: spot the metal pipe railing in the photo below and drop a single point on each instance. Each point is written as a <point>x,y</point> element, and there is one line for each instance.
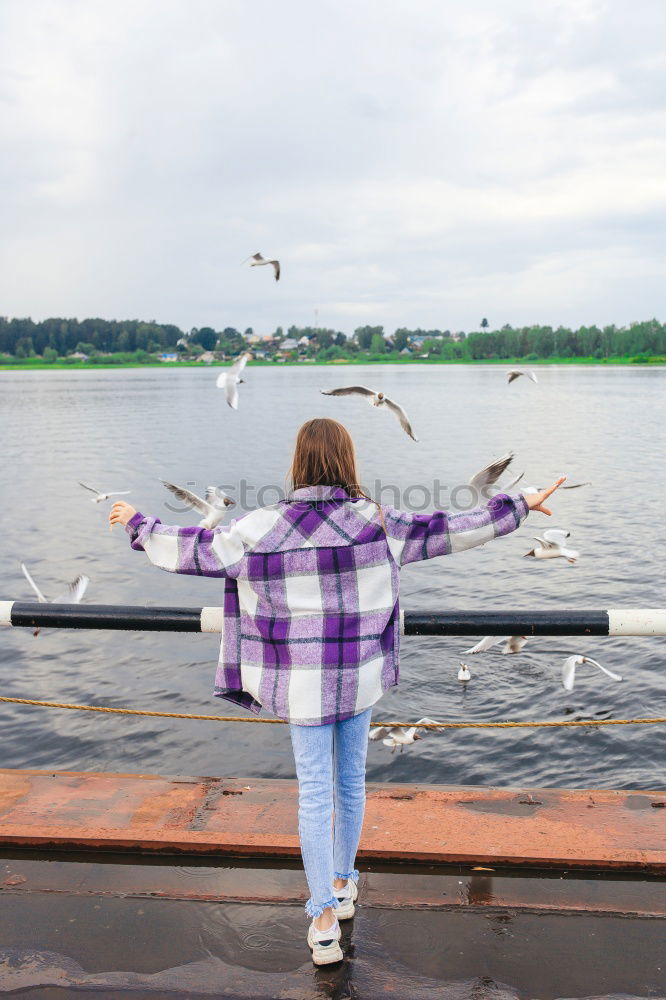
<point>613,622</point>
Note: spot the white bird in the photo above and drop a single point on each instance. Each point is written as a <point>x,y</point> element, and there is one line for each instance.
<point>375,399</point>
<point>397,736</point>
<point>551,546</point>
<point>464,672</point>
<point>103,496</point>
<point>569,670</point>
<point>513,644</point>
<point>214,507</point>
<point>258,261</point>
<point>517,372</point>
<point>491,473</point>
<point>230,379</point>
<point>71,595</point>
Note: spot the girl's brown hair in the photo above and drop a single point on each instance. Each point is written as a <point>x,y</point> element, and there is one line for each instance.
<point>325,456</point>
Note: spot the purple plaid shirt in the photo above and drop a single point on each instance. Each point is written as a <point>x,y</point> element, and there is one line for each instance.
<point>311,625</point>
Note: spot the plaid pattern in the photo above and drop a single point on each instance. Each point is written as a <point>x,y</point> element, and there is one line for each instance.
<point>311,614</point>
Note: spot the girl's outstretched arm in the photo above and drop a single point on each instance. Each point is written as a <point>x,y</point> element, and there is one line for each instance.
<point>194,551</point>
<point>424,536</point>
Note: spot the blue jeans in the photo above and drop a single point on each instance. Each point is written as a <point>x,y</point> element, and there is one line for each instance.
<point>330,760</point>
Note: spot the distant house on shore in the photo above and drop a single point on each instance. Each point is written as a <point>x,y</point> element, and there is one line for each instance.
<point>288,345</point>
<point>167,357</point>
<point>207,357</point>
<point>79,355</point>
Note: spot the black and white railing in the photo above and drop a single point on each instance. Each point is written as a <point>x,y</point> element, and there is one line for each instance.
<point>617,621</point>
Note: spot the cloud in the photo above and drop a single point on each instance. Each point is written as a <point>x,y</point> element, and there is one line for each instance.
<point>411,164</point>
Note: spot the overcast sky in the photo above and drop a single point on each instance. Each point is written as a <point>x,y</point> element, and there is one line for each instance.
<point>419,163</point>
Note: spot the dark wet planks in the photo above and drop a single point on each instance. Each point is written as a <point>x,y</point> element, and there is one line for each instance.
<point>458,887</point>
<point>150,948</point>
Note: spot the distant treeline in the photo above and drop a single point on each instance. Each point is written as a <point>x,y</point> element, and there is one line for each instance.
<point>536,342</point>
<point>57,338</point>
<point>23,338</point>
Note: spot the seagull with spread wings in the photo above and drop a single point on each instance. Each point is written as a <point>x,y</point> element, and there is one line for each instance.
<point>517,372</point>
<point>552,545</point>
<point>375,399</point>
<point>71,595</point>
<point>99,496</point>
<point>258,260</point>
<point>489,475</point>
<point>569,670</point>
<point>214,507</point>
<point>512,643</point>
<point>536,489</point>
<point>397,736</point>
<point>230,379</point>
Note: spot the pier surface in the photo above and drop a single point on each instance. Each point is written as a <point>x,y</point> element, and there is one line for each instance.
<point>235,817</point>
<point>176,887</point>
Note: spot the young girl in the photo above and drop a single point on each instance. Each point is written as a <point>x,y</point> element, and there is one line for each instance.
<point>312,627</point>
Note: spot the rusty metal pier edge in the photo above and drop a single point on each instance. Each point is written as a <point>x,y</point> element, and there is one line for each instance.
<point>601,830</point>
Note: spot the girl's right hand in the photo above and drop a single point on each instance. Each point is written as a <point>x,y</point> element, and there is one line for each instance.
<point>535,500</point>
<point>121,513</point>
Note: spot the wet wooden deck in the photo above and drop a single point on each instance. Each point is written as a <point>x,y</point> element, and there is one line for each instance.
<point>235,817</point>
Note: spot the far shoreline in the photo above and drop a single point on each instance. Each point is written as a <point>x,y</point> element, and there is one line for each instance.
<point>336,363</point>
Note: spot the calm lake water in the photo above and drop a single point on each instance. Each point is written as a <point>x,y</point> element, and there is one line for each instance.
<point>129,429</point>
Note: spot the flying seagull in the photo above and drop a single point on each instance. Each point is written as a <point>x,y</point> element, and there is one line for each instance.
<point>103,496</point>
<point>214,507</point>
<point>513,643</point>
<point>552,544</point>
<point>540,489</point>
<point>512,483</point>
<point>72,595</point>
<point>517,372</point>
<point>375,399</point>
<point>230,379</point>
<point>569,670</point>
<point>397,736</point>
<point>491,473</point>
<point>258,261</point>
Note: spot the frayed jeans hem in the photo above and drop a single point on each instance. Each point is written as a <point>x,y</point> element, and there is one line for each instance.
<point>316,911</point>
<point>350,875</point>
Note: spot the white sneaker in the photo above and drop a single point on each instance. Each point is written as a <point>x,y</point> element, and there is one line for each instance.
<point>325,945</point>
<point>346,898</point>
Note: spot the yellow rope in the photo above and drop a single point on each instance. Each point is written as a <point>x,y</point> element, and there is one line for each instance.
<point>274,722</point>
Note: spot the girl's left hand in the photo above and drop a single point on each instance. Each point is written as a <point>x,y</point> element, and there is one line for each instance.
<point>535,500</point>
<point>121,513</point>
